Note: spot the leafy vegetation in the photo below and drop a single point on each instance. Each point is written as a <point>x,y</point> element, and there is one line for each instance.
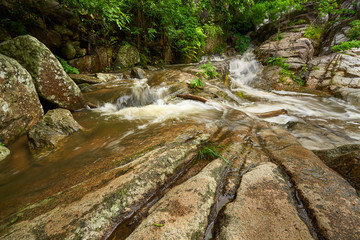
<point>314,32</point>
<point>278,61</point>
<point>242,42</point>
<point>346,46</point>
<point>197,83</point>
<point>210,152</point>
<point>208,71</point>
<point>68,69</point>
<point>354,31</point>
<point>354,35</point>
<point>286,72</point>
<point>182,26</point>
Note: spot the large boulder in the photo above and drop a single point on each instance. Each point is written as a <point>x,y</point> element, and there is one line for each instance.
<point>127,56</point>
<point>293,46</point>
<point>20,107</point>
<point>47,133</point>
<point>51,81</point>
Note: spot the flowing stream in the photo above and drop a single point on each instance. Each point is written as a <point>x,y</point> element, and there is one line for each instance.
<point>136,121</point>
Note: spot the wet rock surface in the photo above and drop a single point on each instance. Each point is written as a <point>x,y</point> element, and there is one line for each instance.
<point>95,214</point>
<point>20,107</point>
<point>345,160</point>
<point>330,199</point>
<point>263,209</point>
<point>51,81</point>
<point>182,213</point>
<point>47,133</point>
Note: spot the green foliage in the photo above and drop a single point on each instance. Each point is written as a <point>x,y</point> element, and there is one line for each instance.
<point>105,12</point>
<point>15,26</point>
<point>158,224</point>
<point>279,36</point>
<point>313,32</point>
<point>1,144</point>
<point>278,61</point>
<point>288,73</point>
<point>241,94</point>
<point>68,69</point>
<point>301,21</point>
<point>208,71</point>
<point>211,30</point>
<point>197,83</point>
<point>354,32</point>
<point>210,152</point>
<point>242,42</point>
<point>326,6</point>
<point>346,46</point>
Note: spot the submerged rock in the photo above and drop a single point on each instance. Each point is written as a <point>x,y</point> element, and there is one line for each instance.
<point>51,81</point>
<point>4,152</point>
<point>107,77</point>
<point>127,56</point>
<point>264,208</point>
<point>56,125</point>
<point>138,73</point>
<point>183,212</point>
<point>112,194</point>
<point>20,107</point>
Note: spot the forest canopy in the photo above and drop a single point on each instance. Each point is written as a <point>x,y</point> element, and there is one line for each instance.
<point>154,26</point>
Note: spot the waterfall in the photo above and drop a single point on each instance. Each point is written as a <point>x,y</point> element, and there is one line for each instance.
<point>141,95</point>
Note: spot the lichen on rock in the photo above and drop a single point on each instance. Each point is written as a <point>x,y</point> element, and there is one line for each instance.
<point>48,75</point>
<point>20,106</point>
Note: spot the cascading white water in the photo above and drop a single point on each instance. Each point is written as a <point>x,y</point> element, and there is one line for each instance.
<point>152,104</point>
<point>301,107</point>
<point>246,70</point>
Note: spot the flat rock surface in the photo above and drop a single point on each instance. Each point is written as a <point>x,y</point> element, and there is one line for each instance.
<point>332,201</point>
<point>264,208</point>
<point>183,212</point>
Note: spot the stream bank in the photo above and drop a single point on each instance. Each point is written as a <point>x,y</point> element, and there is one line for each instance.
<point>259,156</point>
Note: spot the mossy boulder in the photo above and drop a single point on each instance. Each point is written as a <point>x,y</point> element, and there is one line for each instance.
<point>68,50</point>
<point>127,56</point>
<point>51,81</point>
<point>20,106</point>
<point>47,133</point>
